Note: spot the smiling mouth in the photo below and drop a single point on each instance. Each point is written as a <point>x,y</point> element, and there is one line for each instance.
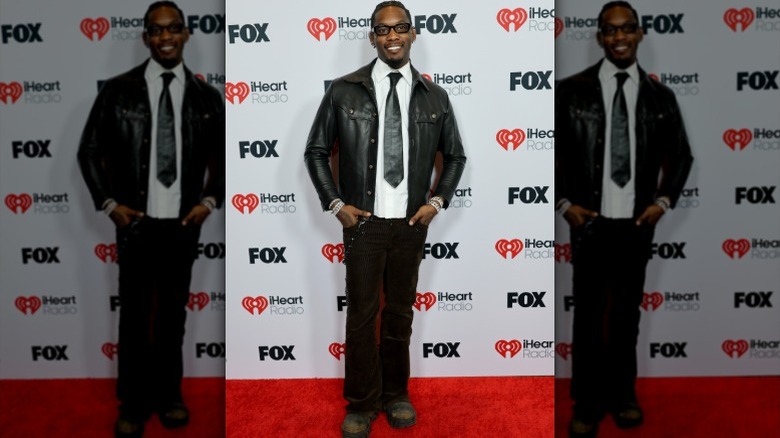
<point>394,49</point>
<point>167,49</point>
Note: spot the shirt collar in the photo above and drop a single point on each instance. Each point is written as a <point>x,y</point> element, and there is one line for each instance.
<point>154,70</point>
<point>608,70</point>
<point>381,71</point>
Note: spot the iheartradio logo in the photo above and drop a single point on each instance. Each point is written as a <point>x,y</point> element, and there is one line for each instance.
<point>515,137</point>
<point>12,90</point>
<point>245,203</point>
<point>507,17</point>
<point>337,350</point>
<point>197,301</point>
<point>732,348</point>
<point>28,304</point>
<point>736,249</point>
<point>92,29</point>
<point>510,348</point>
<point>564,350</point>
<point>732,17</point>
<point>737,138</point>
<point>558,27</point>
<point>15,203</point>
<point>563,252</point>
<point>333,253</point>
<point>238,90</point>
<point>319,28</point>
<point>259,303</point>
<point>110,350</point>
<point>426,299</point>
<point>652,301</point>
<point>106,253</point>
<point>509,249</point>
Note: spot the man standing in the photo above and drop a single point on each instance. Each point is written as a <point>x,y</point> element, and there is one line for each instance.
<point>617,132</point>
<point>389,123</point>
<point>154,135</point>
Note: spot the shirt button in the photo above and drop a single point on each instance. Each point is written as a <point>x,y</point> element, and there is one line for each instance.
<point>351,111</point>
<point>372,140</point>
<point>370,166</point>
<point>433,115</point>
<point>369,193</point>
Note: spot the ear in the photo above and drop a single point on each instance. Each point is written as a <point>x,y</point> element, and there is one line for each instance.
<point>640,34</point>
<point>185,35</point>
<point>599,39</point>
<point>414,34</point>
<point>371,38</point>
<point>145,37</point>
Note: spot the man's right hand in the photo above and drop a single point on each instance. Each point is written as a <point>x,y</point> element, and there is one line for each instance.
<point>576,215</point>
<point>124,215</point>
<point>349,215</point>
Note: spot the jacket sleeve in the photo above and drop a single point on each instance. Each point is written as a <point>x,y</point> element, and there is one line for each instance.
<point>215,183</point>
<point>454,158</point>
<point>677,161</point>
<point>92,153</point>
<point>319,146</point>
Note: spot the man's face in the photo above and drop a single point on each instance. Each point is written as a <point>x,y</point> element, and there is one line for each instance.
<point>619,36</point>
<point>394,47</point>
<point>165,36</point>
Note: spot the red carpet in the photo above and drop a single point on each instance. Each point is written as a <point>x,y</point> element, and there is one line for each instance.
<point>706,407</point>
<point>446,407</point>
<point>732,407</point>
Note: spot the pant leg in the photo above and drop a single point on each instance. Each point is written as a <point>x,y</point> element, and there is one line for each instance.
<point>627,291</point>
<point>590,291</point>
<point>400,286</point>
<point>177,247</point>
<point>365,247</point>
<point>135,333</point>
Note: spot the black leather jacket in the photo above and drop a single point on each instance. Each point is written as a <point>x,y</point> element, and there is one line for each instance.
<point>115,146</point>
<point>348,117</point>
<point>661,143</point>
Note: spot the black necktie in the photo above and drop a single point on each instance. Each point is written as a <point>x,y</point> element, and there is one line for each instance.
<point>620,150</point>
<point>393,145</point>
<point>166,135</point>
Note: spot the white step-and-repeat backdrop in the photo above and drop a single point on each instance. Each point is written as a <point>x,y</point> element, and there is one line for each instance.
<point>58,272</point>
<point>712,299</point>
<point>485,301</point>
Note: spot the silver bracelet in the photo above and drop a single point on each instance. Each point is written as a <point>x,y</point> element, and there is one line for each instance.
<point>337,208</point>
<point>436,202</point>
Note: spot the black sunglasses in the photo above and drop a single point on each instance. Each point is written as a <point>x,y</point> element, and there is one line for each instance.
<point>157,30</point>
<point>628,28</point>
<point>383,29</point>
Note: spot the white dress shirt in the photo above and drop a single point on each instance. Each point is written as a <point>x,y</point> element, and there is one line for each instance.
<point>391,202</point>
<point>164,202</point>
<point>618,202</point>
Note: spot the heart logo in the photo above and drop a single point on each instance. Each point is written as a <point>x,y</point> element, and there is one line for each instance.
<point>507,17</point>
<point>337,350</point>
<point>509,249</point>
<point>427,300</point>
<point>508,347</point>
<point>743,16</point>
<point>564,350</point>
<point>251,303</point>
<point>334,253</point>
<point>238,90</point>
<point>558,27</point>
<point>514,137</point>
<point>97,28</point>
<point>12,90</point>
<point>734,138</point>
<point>317,27</point>
<point>198,300</point>
<point>737,348</point>
<point>245,203</point>
<point>736,249</point>
<point>563,252</point>
<point>106,253</point>
<point>651,301</point>
<point>110,350</point>
<point>28,304</point>
<point>18,202</point>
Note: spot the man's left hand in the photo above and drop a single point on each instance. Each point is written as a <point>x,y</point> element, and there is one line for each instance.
<point>651,215</point>
<point>425,215</point>
<point>197,215</point>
